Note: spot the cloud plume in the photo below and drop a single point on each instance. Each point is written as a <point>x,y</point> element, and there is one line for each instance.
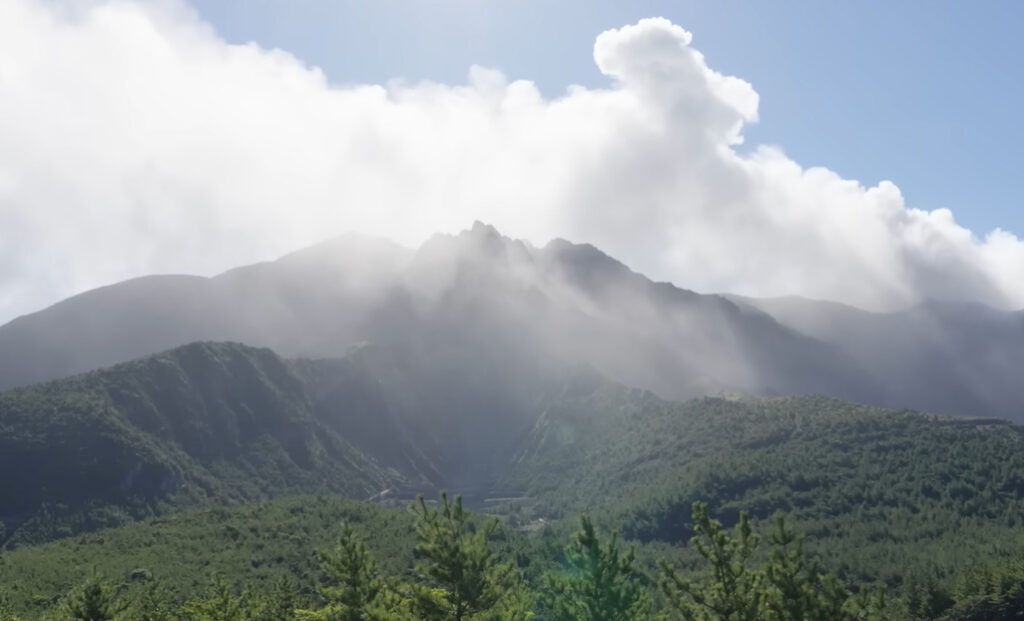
<point>135,140</point>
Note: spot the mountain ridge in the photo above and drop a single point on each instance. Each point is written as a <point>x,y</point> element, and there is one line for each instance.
<point>563,302</point>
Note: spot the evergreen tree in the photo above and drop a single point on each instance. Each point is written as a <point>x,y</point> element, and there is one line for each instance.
<point>468,583</point>
<point>278,605</point>
<point>153,604</point>
<point>357,592</point>
<point>7,610</point>
<point>791,587</point>
<point>219,603</point>
<point>600,583</point>
<point>796,588</point>
<point>93,601</point>
<point>735,592</point>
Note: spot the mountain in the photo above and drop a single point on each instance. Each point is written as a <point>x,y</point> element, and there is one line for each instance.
<point>938,356</point>
<point>297,304</point>
<point>474,292</point>
<point>479,293</point>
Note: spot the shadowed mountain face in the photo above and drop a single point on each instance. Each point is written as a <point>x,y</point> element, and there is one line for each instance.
<point>474,294</point>
<point>223,422</point>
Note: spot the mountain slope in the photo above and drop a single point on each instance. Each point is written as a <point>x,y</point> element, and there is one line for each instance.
<point>203,423</point>
<point>225,423</point>
<point>295,304</point>
<point>477,291</point>
<point>882,495</point>
<point>481,294</point>
<point>942,357</point>
<point>905,499</point>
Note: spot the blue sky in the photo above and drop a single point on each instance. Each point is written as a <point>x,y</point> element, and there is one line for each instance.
<point>928,95</point>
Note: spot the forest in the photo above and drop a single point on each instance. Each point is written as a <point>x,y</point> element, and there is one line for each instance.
<point>218,481</point>
<point>437,562</point>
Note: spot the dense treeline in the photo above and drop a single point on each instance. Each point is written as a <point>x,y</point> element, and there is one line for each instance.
<point>897,497</point>
<point>443,563</point>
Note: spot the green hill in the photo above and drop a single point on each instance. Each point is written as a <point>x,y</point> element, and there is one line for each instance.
<point>206,423</point>
<point>221,423</point>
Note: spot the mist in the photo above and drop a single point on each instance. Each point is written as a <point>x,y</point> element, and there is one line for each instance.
<point>134,140</point>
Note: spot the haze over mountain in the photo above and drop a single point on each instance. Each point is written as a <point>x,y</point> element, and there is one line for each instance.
<point>480,294</point>
<point>187,153</point>
<point>939,356</point>
<point>477,293</point>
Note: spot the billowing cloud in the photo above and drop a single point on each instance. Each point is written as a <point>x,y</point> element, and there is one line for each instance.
<point>134,140</point>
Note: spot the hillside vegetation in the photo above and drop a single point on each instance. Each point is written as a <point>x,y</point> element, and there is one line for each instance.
<point>221,423</point>
<point>892,496</point>
<point>902,500</point>
<point>328,558</point>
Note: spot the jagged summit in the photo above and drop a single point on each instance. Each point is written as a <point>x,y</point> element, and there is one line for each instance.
<point>480,237</point>
<point>481,294</point>
<point>583,261</point>
<point>481,229</point>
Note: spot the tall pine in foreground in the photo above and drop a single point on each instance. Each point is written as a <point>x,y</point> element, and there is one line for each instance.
<point>93,601</point>
<point>735,592</point>
<point>220,602</point>
<point>791,587</point>
<point>355,590</point>
<point>598,583</point>
<point>464,579</point>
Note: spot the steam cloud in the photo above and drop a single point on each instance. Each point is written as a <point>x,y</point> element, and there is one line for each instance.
<point>134,140</point>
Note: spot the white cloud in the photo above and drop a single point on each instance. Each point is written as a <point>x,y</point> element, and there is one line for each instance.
<point>134,140</point>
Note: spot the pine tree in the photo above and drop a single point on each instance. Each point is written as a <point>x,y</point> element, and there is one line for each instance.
<point>735,592</point>
<point>599,584</point>
<point>7,610</point>
<point>794,578</point>
<point>219,603</point>
<point>791,587</point>
<point>153,604</point>
<point>356,592</point>
<point>93,601</point>
<point>468,581</point>
<point>278,605</point>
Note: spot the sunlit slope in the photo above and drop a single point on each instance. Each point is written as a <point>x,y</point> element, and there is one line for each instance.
<point>882,494</point>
